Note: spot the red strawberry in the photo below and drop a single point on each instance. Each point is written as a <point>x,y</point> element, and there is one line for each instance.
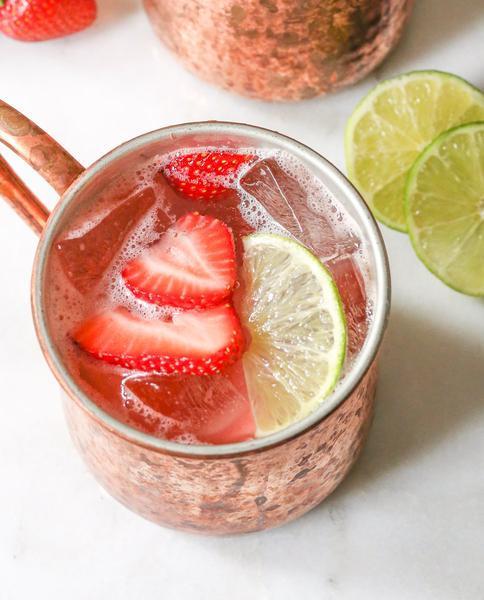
<point>193,265</point>
<point>205,175</point>
<point>194,342</point>
<point>38,20</point>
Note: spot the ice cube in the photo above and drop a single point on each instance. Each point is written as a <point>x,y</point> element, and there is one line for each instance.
<point>349,281</point>
<point>286,201</point>
<point>215,409</point>
<point>170,205</point>
<point>226,209</point>
<point>102,382</point>
<point>84,258</point>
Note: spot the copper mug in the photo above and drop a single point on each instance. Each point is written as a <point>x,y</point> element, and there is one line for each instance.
<point>230,488</point>
<point>280,49</point>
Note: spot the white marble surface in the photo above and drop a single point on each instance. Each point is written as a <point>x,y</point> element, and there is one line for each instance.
<point>409,521</point>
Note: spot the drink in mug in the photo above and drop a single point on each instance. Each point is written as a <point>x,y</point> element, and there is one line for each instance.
<point>193,298</point>
<point>181,293</point>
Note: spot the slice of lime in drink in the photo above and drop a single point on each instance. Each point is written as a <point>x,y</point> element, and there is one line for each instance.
<point>444,202</point>
<point>294,314</point>
<point>393,124</point>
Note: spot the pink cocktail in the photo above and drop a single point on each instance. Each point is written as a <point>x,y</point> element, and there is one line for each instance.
<point>158,256</point>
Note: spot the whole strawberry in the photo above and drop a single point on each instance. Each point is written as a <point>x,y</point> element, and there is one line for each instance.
<point>38,20</point>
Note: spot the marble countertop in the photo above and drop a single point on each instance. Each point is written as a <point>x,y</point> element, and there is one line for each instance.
<point>408,523</point>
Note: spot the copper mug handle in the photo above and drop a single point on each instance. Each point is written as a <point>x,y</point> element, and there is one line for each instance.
<point>44,154</point>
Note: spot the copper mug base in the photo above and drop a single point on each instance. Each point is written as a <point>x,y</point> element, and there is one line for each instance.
<point>280,49</point>
<point>226,489</point>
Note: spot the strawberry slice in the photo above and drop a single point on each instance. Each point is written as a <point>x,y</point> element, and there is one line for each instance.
<point>192,266</point>
<point>193,342</point>
<point>205,175</point>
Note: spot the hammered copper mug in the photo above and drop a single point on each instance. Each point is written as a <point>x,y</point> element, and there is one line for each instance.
<point>280,49</point>
<point>231,488</point>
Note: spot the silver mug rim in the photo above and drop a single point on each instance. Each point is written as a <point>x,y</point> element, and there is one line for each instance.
<point>380,313</point>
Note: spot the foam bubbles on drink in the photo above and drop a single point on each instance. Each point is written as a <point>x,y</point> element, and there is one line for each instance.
<point>65,304</point>
<point>257,217</point>
<point>86,225</point>
<point>320,199</point>
<point>187,438</point>
<point>119,295</point>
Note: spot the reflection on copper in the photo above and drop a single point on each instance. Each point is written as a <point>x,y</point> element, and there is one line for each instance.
<point>21,199</point>
<point>280,49</point>
<point>36,147</point>
<point>43,153</point>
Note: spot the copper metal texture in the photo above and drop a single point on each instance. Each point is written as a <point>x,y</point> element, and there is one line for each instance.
<point>226,495</point>
<point>36,147</point>
<point>280,49</point>
<point>229,488</point>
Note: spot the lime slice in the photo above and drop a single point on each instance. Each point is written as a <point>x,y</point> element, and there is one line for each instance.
<point>393,124</point>
<point>444,202</point>
<point>298,336</point>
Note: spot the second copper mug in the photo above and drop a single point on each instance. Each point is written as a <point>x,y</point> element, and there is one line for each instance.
<point>232,488</point>
<point>280,49</point>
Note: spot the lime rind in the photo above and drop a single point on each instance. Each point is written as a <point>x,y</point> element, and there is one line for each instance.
<point>393,216</point>
<point>430,151</point>
<point>268,363</point>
